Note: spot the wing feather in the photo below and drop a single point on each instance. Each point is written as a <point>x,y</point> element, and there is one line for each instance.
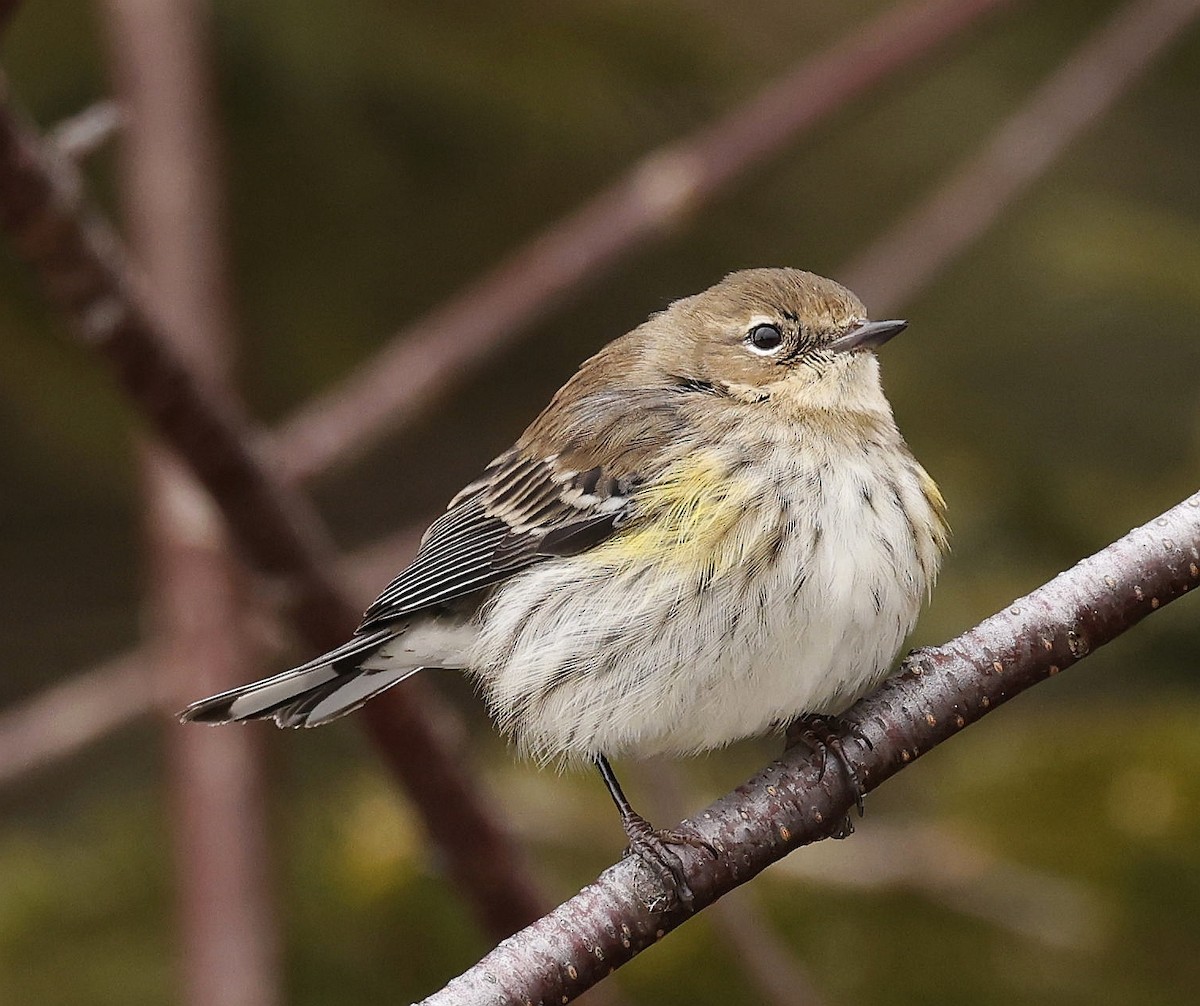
<point>521,511</point>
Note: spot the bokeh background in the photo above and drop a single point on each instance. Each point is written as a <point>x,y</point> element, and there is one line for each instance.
<point>375,158</point>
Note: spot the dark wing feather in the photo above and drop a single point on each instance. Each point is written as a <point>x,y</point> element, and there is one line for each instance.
<point>521,511</point>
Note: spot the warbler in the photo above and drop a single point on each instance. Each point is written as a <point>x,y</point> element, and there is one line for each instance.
<point>714,528</point>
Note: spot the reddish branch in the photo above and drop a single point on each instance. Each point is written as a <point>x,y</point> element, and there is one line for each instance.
<point>421,363</point>
<point>87,275</point>
<point>788,804</point>
<point>170,175</point>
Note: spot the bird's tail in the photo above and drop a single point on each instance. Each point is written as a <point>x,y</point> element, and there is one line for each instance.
<point>309,695</point>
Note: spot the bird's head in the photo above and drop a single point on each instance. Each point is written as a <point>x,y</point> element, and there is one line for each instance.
<point>784,336</point>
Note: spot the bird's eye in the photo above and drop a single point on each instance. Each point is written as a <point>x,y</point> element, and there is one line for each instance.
<point>764,339</point>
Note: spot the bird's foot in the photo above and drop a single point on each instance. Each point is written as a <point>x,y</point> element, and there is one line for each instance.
<point>653,847</point>
<point>915,656</point>
<point>822,735</point>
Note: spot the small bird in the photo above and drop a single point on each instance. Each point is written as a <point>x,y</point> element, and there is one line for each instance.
<point>713,529</point>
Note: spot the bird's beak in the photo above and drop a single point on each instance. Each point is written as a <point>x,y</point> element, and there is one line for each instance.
<point>870,335</point>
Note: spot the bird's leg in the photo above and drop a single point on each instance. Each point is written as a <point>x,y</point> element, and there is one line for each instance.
<point>650,844</point>
<point>822,735</point>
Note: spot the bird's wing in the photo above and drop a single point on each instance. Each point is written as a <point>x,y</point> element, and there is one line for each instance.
<point>520,511</point>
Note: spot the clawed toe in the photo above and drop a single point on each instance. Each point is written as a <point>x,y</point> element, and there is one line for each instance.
<point>822,735</point>
<point>653,847</point>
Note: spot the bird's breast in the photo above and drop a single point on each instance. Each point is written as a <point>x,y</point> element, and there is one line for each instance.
<point>743,593</point>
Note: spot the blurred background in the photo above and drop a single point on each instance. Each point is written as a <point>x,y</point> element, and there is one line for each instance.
<point>1023,189</point>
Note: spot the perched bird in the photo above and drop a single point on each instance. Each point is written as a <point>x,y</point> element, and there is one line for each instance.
<point>714,528</point>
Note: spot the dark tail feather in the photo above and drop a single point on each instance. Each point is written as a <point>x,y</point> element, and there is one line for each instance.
<point>308,695</point>
<point>335,698</point>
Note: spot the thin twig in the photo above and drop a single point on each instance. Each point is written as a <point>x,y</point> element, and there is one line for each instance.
<point>912,253</point>
<point>417,366</point>
<point>761,953</point>
<point>87,276</point>
<point>941,865</point>
<point>791,803</point>
<point>82,135</point>
<point>79,711</point>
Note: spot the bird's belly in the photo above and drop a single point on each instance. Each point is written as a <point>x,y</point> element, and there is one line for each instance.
<point>639,660</point>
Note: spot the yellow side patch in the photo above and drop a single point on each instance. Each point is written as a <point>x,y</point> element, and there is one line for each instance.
<point>683,517</point>
<point>937,501</point>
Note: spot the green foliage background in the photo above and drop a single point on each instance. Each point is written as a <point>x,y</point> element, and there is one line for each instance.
<point>379,155</point>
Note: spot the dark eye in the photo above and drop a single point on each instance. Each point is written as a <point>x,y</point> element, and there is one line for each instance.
<point>764,339</point>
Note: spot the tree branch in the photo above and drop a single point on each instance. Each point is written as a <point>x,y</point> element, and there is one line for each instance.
<point>65,717</point>
<point>170,179</point>
<point>789,803</point>
<point>88,277</point>
<point>415,367</point>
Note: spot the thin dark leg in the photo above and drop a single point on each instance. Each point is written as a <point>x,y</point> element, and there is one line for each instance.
<point>624,808</point>
<point>652,846</point>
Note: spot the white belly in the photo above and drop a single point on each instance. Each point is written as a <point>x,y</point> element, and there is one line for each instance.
<point>578,659</point>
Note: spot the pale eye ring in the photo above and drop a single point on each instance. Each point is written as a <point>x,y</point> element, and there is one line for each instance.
<point>764,339</point>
